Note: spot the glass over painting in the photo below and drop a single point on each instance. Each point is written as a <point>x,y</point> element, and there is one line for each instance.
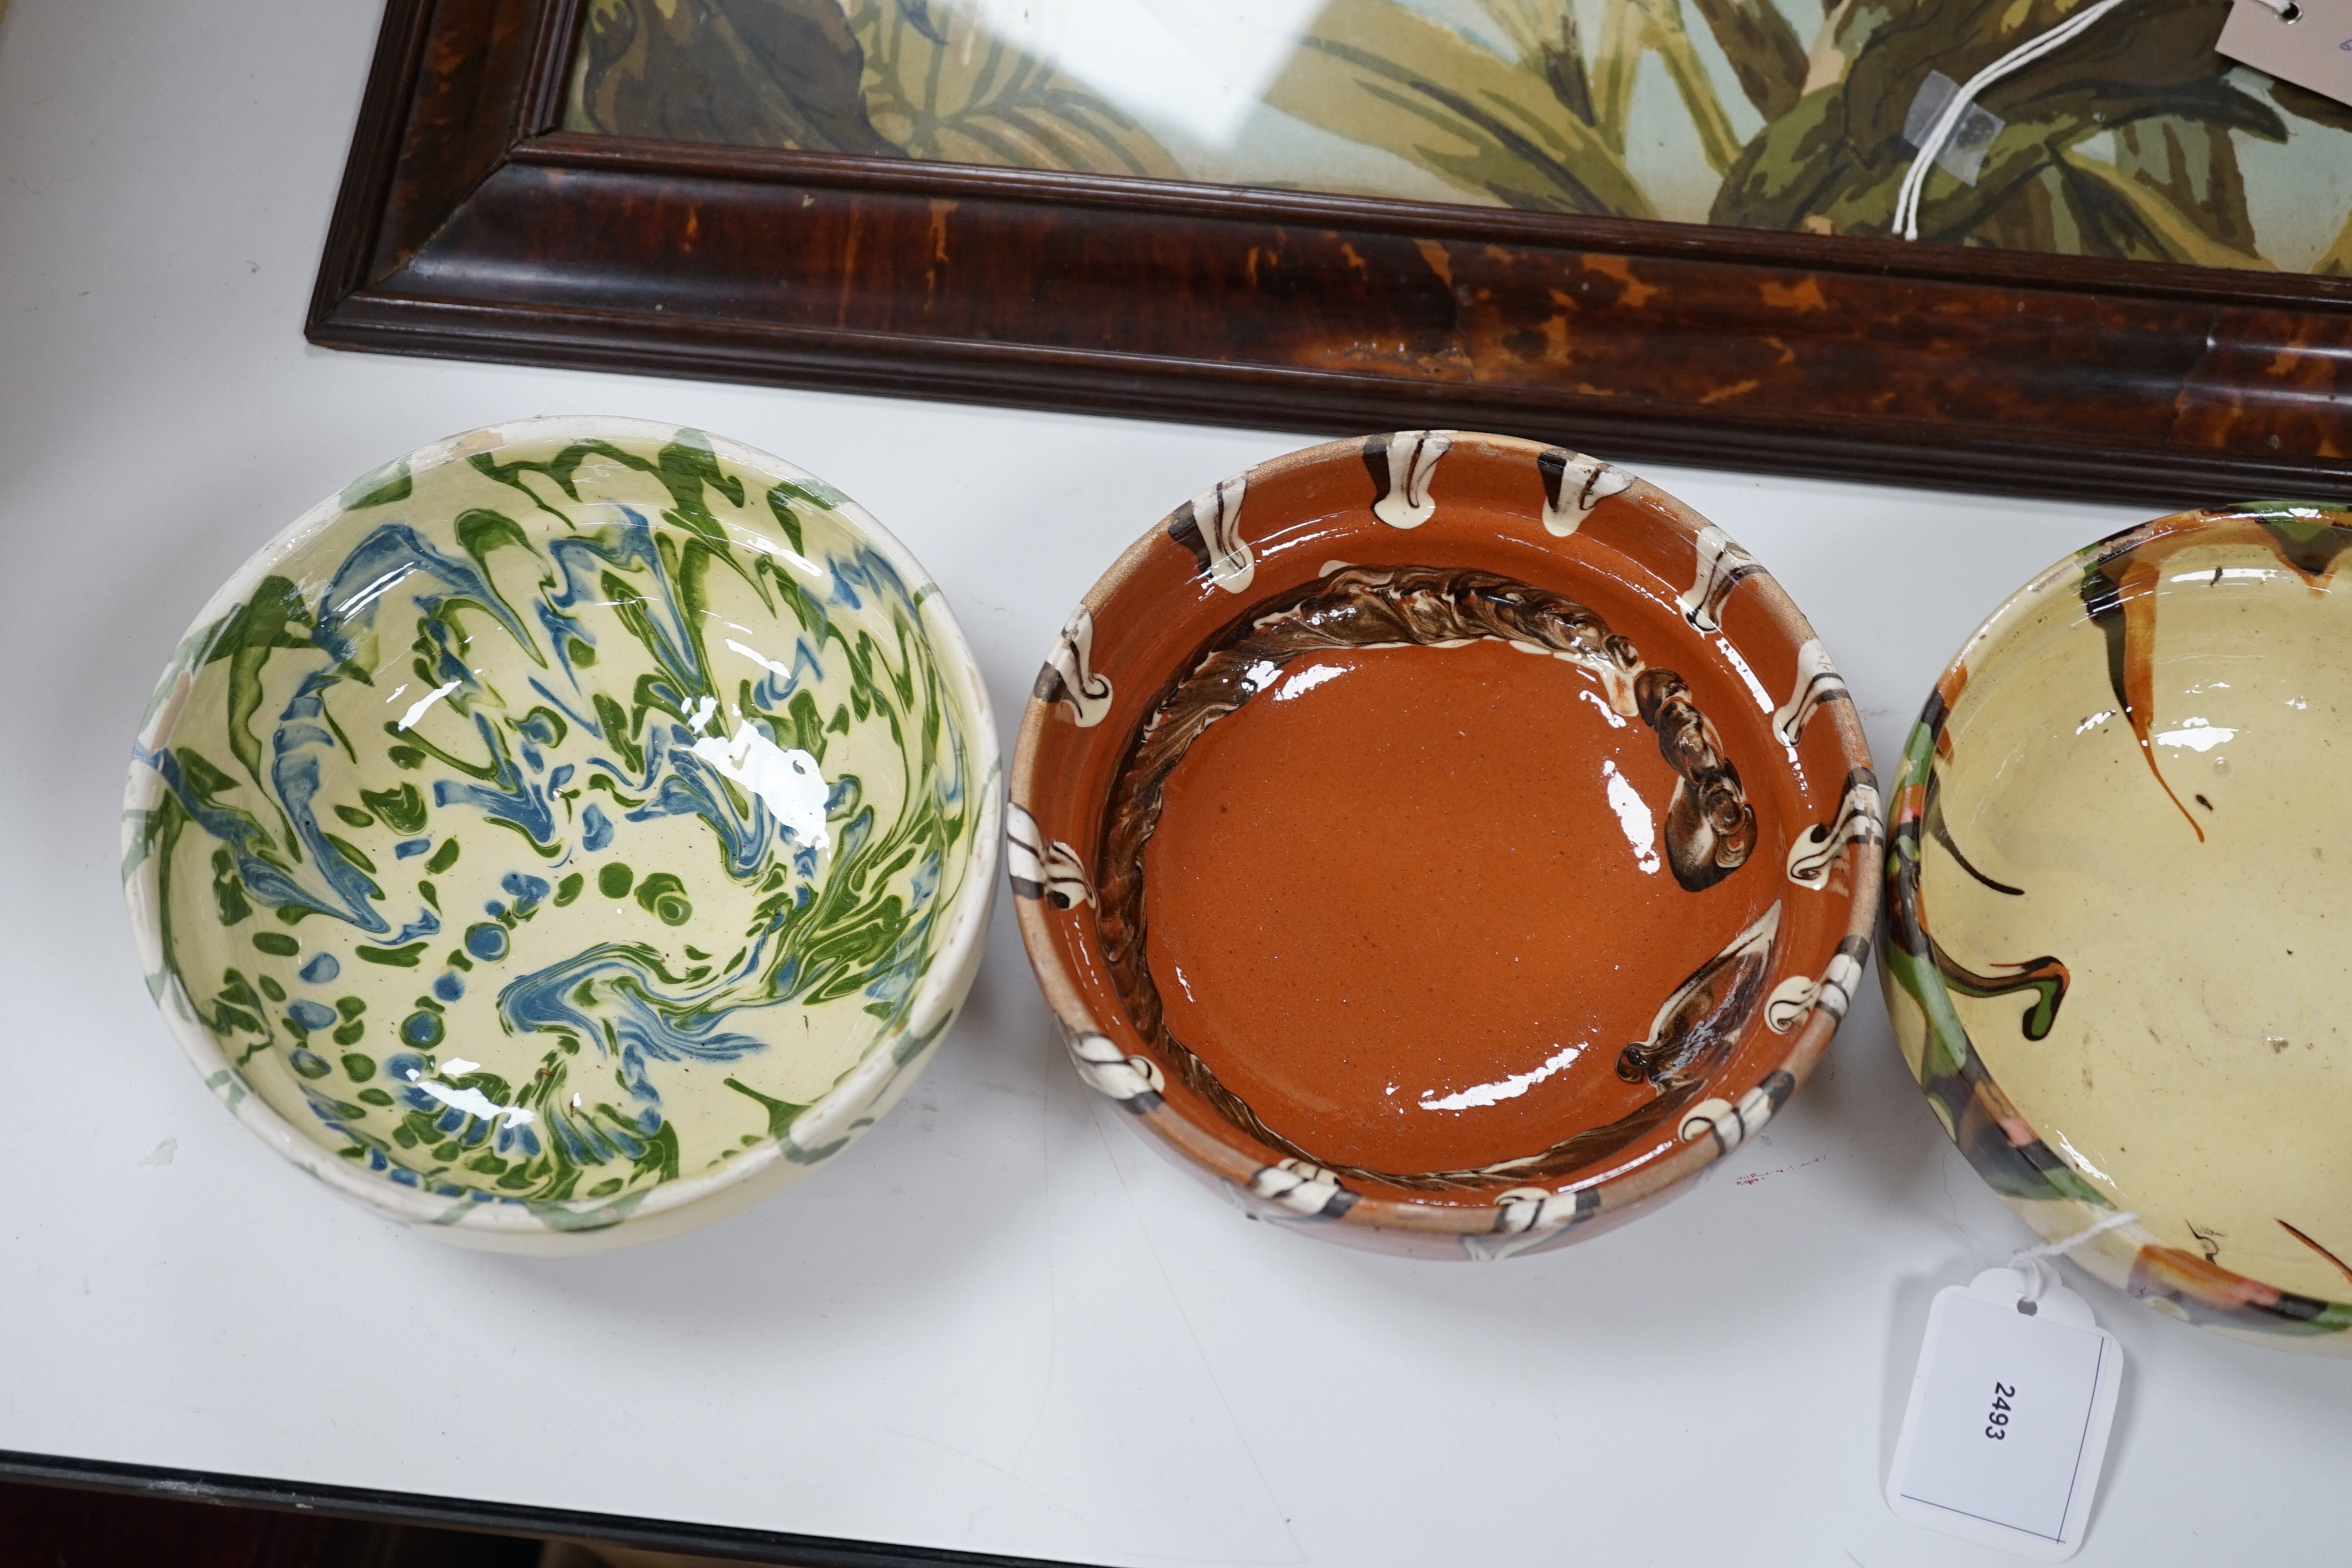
<point>2135,141</point>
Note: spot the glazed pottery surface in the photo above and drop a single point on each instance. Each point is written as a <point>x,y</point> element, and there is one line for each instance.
<point>2118,917</point>
<point>567,834</point>
<point>1443,841</point>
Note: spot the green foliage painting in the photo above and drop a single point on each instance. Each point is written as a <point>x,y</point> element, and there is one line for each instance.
<point>2136,141</point>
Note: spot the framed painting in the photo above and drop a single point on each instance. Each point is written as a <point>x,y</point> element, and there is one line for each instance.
<point>1647,228</point>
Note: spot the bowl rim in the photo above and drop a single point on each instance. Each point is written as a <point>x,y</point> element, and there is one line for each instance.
<point>1517,1220</point>
<point>833,1118</point>
<point>2106,1238</point>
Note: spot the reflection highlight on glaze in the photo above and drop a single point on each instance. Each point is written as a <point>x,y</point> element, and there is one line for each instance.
<point>790,782</point>
<point>1308,680</point>
<point>2197,735</point>
<point>1747,675</point>
<point>423,705</point>
<point>782,671</point>
<point>2075,1157</point>
<point>472,1101</point>
<point>1509,1088</point>
<point>2227,575</point>
<point>1633,815</point>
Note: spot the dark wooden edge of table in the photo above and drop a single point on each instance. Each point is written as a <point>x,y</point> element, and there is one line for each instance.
<point>491,1518</point>
<point>470,225</point>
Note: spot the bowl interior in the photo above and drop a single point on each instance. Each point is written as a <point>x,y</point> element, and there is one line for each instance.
<point>562,812</point>
<point>2137,903</point>
<point>1428,810</point>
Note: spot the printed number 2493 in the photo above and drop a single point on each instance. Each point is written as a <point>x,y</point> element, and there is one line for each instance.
<point>1997,1422</point>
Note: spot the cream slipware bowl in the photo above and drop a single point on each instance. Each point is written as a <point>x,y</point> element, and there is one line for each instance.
<point>2118,951</point>
<point>1442,843</point>
<point>568,834</point>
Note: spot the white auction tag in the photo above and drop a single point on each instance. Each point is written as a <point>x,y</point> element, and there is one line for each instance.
<point>2312,49</point>
<point>2008,1416</point>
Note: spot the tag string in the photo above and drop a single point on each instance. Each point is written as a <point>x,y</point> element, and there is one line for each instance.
<point>2027,1260</point>
<point>1906,200</point>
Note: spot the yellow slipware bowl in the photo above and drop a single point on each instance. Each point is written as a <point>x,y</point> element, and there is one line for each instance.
<point>2118,944</point>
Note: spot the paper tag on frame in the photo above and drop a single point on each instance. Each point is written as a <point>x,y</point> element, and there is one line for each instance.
<point>2007,1427</point>
<point>2315,50</point>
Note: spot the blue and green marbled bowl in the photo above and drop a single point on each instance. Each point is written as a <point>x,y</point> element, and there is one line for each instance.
<point>568,834</point>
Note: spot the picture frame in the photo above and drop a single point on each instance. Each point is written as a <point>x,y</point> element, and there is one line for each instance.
<point>471,225</point>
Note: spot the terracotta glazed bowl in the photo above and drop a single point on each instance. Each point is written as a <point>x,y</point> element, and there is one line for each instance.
<point>567,834</point>
<point>2117,920</point>
<point>1443,841</point>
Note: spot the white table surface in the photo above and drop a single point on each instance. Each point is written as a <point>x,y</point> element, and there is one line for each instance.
<point>1000,1323</point>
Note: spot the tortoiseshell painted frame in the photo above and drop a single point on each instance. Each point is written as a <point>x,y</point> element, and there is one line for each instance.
<point>471,226</point>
